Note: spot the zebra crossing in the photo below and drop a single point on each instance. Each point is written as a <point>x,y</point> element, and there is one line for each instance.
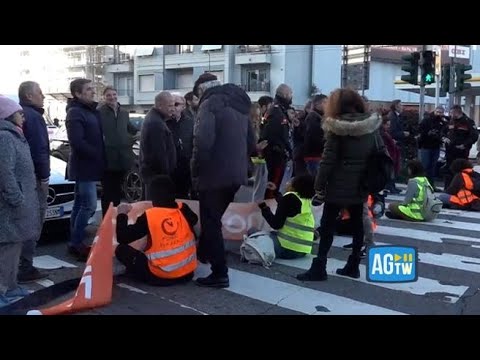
<point>449,272</point>
<point>448,275</point>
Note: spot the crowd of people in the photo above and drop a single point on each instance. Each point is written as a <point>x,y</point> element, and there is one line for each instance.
<point>206,145</point>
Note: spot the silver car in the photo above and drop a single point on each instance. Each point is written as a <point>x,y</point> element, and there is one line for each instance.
<point>61,192</point>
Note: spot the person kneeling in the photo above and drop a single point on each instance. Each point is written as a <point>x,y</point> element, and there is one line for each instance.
<point>413,206</point>
<point>462,191</point>
<point>170,255</point>
<point>293,221</point>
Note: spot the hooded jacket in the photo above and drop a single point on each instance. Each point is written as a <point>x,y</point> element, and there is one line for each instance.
<point>223,138</point>
<point>349,142</point>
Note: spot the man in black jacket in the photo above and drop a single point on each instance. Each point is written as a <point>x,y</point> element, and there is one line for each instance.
<point>432,129</point>
<point>314,141</point>
<point>35,131</point>
<point>223,141</point>
<point>118,147</point>
<point>277,132</point>
<point>461,135</point>
<point>87,161</point>
<point>158,155</point>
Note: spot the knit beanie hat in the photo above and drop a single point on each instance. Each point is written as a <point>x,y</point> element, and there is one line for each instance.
<point>8,107</point>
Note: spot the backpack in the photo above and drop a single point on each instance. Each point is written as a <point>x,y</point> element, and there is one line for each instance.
<point>380,169</point>
<point>258,249</point>
<point>431,204</point>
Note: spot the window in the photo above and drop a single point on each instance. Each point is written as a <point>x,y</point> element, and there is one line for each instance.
<point>124,85</point>
<point>184,79</point>
<point>25,53</point>
<point>146,83</point>
<point>211,47</point>
<point>257,80</point>
<point>185,49</point>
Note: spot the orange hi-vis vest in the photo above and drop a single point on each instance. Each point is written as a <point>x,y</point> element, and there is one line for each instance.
<point>172,253</point>
<point>465,196</point>
<point>346,215</point>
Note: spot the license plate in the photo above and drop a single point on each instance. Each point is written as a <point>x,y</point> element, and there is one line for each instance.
<point>53,213</point>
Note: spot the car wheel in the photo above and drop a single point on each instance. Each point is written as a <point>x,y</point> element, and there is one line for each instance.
<point>133,186</point>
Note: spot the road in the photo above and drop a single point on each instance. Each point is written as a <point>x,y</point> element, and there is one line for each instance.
<point>449,274</point>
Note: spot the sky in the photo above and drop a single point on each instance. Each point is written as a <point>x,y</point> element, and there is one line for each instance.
<point>10,69</point>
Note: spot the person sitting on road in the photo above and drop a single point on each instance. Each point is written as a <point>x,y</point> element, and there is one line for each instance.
<point>412,207</point>
<point>373,209</point>
<point>462,193</point>
<point>293,221</point>
<point>170,255</point>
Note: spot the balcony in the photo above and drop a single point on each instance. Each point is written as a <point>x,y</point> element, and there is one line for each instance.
<point>255,89</point>
<point>191,60</point>
<point>125,67</point>
<point>253,54</point>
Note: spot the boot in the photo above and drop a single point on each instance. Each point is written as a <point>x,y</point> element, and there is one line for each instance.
<point>317,271</point>
<point>351,268</point>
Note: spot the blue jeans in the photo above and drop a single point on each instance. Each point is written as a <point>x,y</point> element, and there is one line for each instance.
<point>84,207</point>
<point>312,167</point>
<point>429,159</point>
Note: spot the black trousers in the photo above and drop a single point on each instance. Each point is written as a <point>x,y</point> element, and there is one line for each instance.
<point>329,222</point>
<point>137,265</point>
<point>182,180</point>
<point>213,204</point>
<point>112,189</point>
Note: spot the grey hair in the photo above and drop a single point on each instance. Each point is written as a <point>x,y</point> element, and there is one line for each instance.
<point>26,88</point>
<point>209,84</point>
<point>161,96</point>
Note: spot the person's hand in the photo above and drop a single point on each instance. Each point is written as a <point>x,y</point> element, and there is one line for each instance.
<point>262,205</point>
<point>460,147</point>
<point>271,186</point>
<point>262,145</point>
<point>44,185</point>
<point>124,208</point>
<point>446,140</point>
<point>406,133</point>
<point>296,122</point>
<point>318,199</point>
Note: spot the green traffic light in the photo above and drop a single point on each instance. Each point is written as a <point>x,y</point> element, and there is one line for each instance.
<point>429,78</point>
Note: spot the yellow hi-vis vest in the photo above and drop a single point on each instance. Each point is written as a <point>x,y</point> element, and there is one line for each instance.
<point>298,232</point>
<point>414,209</point>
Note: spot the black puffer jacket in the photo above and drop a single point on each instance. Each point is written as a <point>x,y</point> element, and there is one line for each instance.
<point>223,138</point>
<point>314,136</point>
<point>349,142</point>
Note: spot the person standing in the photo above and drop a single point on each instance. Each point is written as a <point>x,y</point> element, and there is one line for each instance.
<point>158,155</point>
<point>314,137</point>
<point>86,165</point>
<point>35,131</point>
<point>19,207</point>
<point>118,147</point>
<point>351,136</point>
<point>223,142</point>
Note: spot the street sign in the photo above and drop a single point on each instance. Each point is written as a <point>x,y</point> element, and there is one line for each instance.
<point>458,51</point>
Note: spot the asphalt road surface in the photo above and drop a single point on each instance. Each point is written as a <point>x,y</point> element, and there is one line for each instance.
<point>449,274</point>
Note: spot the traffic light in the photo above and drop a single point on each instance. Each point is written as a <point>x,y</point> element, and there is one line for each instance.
<point>460,70</point>
<point>411,66</point>
<point>428,67</point>
<point>446,72</point>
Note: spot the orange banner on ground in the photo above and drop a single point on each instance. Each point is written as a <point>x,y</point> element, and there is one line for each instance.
<point>95,288</point>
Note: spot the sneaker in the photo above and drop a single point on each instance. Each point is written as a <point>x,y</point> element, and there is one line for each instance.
<point>214,281</point>
<point>29,275</point>
<point>363,253</point>
<point>18,292</point>
<point>348,246</point>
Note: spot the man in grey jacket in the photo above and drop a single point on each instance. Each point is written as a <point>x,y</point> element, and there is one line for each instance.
<point>157,148</point>
<point>222,143</point>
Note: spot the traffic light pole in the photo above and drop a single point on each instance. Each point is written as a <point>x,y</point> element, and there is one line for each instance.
<point>421,109</point>
<point>451,93</point>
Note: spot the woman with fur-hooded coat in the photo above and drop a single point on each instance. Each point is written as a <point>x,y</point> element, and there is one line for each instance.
<point>350,132</point>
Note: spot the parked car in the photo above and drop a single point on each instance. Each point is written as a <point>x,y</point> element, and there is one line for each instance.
<point>61,192</point>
